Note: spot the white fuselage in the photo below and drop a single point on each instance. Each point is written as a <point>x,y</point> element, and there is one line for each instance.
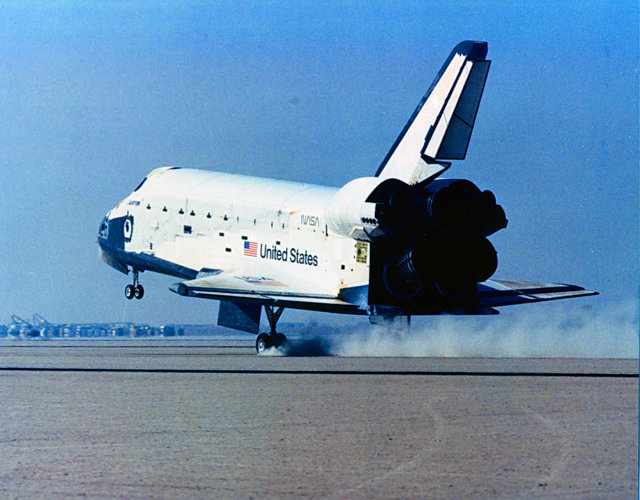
<point>211,220</point>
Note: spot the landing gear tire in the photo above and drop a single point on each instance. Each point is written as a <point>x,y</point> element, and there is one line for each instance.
<point>263,342</point>
<point>273,338</point>
<point>278,340</point>
<point>135,289</point>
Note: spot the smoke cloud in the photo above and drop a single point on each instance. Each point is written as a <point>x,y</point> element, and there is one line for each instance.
<point>557,331</point>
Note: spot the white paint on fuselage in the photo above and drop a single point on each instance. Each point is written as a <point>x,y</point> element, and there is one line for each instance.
<point>201,219</point>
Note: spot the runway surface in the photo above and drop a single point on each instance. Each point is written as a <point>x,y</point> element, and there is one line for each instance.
<point>210,419</point>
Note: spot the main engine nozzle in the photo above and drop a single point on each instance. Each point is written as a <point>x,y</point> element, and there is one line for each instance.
<point>444,206</point>
<point>451,266</point>
<point>477,258</point>
<point>427,260</point>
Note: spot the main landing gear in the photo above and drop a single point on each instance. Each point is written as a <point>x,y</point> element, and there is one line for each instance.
<point>272,339</point>
<point>136,289</point>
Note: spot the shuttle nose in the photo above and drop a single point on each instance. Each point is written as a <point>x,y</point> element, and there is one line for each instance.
<point>108,245</point>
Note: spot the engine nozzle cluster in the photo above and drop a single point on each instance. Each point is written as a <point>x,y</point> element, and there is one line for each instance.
<point>439,235</point>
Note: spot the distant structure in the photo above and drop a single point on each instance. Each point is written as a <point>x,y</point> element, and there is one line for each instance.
<point>41,328</point>
<point>22,328</point>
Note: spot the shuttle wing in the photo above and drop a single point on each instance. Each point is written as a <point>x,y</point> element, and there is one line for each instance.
<point>493,293</point>
<point>271,289</point>
<point>286,291</point>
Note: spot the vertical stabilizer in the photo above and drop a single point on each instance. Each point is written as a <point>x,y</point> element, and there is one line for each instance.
<point>440,127</point>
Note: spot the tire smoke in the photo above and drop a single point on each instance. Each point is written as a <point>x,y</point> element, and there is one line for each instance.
<point>557,331</point>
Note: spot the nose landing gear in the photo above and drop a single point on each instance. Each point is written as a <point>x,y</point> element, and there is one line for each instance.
<point>136,289</point>
<point>272,339</point>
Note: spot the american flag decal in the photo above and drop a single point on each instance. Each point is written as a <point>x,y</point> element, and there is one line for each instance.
<point>250,248</point>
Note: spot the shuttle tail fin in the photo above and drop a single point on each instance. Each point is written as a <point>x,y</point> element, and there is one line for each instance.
<point>440,127</point>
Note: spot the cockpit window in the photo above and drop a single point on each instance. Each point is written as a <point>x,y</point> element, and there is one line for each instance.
<point>103,232</point>
<point>140,185</point>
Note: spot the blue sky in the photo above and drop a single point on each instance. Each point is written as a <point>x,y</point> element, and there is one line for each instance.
<point>93,96</point>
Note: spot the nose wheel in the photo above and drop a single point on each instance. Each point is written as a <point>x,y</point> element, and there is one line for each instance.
<point>135,290</point>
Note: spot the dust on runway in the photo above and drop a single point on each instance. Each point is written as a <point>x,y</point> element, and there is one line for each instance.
<point>206,419</point>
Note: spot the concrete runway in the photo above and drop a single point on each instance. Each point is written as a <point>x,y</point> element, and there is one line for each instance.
<point>210,419</point>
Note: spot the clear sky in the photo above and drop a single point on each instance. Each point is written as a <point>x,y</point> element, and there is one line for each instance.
<point>94,95</point>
